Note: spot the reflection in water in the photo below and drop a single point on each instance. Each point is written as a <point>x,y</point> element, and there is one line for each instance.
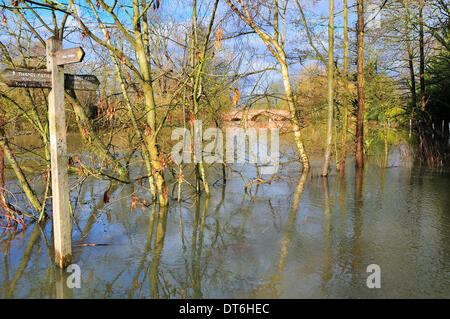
<point>197,250</point>
<point>326,274</point>
<point>357,224</point>
<point>62,289</point>
<point>154,276</point>
<point>24,261</point>
<point>298,237</point>
<point>290,229</point>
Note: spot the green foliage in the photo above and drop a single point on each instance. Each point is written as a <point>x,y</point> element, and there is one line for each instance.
<point>438,84</point>
<point>383,100</point>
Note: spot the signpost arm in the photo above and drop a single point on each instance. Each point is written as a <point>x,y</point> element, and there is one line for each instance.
<point>58,148</point>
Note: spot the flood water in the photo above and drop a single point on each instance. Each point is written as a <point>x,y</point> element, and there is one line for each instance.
<point>299,237</point>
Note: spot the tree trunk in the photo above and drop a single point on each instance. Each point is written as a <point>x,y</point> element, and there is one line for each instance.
<point>346,92</point>
<point>29,192</point>
<point>410,59</point>
<point>276,47</point>
<point>422,57</point>
<point>330,89</point>
<point>360,87</point>
<point>292,109</point>
<point>200,169</point>
<point>150,106</point>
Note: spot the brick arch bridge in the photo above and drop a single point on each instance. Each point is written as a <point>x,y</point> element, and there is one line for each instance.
<point>249,118</point>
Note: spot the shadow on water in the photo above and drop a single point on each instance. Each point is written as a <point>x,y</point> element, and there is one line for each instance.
<point>299,237</point>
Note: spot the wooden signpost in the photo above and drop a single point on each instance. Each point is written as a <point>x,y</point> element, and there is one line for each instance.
<point>55,79</point>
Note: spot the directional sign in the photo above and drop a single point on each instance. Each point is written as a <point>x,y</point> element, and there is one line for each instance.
<point>42,79</point>
<point>26,78</point>
<point>81,82</point>
<point>67,56</point>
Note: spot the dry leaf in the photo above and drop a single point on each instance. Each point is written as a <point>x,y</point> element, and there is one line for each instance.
<point>191,118</point>
<point>106,197</point>
<point>219,34</point>
<point>122,58</point>
<point>162,161</point>
<point>84,132</point>
<point>148,130</point>
<point>101,105</point>
<point>156,4</point>
<point>111,110</point>
<point>134,203</point>
<point>236,97</point>
<point>180,177</point>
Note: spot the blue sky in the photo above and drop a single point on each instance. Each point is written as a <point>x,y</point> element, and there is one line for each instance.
<point>180,11</point>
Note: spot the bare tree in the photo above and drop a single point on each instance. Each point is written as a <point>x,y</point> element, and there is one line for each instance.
<point>330,71</point>
<point>360,86</point>
<point>422,57</point>
<point>346,93</point>
<point>275,43</point>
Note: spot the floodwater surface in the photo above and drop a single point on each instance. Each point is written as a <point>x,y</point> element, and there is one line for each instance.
<point>299,237</point>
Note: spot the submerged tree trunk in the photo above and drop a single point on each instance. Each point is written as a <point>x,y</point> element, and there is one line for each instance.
<point>294,114</point>
<point>139,41</point>
<point>359,156</point>
<point>200,169</point>
<point>141,45</point>
<point>145,149</point>
<point>330,90</point>
<point>29,192</point>
<point>346,93</point>
<point>386,142</point>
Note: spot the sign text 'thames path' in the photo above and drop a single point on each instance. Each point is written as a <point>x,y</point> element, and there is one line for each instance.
<point>42,79</point>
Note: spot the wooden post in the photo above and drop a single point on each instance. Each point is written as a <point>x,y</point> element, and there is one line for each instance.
<point>58,150</point>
